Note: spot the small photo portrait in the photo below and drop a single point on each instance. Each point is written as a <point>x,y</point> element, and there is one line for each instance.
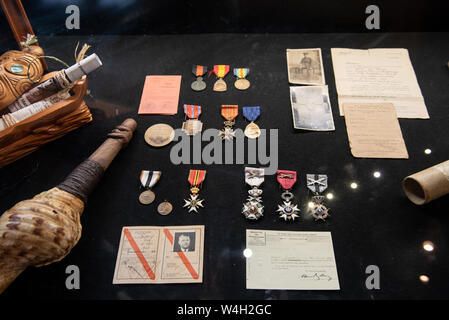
<point>184,242</point>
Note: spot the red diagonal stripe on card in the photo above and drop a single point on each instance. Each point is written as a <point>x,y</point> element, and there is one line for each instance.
<point>139,254</point>
<point>182,256</point>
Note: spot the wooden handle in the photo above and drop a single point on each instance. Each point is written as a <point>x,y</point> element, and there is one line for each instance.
<point>86,176</point>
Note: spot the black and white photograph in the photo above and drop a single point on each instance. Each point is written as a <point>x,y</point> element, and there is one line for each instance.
<point>311,108</point>
<point>184,242</point>
<point>305,66</point>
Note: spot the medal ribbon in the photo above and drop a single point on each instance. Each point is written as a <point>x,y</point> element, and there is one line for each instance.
<point>286,179</point>
<point>251,113</point>
<point>221,70</point>
<point>196,177</point>
<point>317,182</point>
<point>241,73</point>
<point>229,112</point>
<point>192,111</point>
<point>149,178</point>
<point>254,176</point>
<point>198,71</point>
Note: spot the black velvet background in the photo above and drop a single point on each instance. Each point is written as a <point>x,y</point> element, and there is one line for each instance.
<point>374,224</point>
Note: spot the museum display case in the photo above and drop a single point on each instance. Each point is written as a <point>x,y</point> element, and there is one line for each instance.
<point>202,169</point>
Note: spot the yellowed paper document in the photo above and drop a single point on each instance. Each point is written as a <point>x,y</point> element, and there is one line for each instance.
<point>160,255</point>
<point>374,131</point>
<point>290,260</point>
<point>378,75</point>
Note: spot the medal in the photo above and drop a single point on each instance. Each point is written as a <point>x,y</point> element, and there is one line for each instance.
<point>198,84</point>
<point>253,207</point>
<point>159,135</point>
<point>220,71</point>
<point>196,177</point>
<point>229,112</point>
<point>192,126</point>
<point>147,180</point>
<point>241,83</point>
<point>317,183</point>
<point>287,180</point>
<point>252,130</point>
<point>164,208</point>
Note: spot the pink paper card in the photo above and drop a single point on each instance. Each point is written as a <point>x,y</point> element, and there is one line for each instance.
<point>160,95</point>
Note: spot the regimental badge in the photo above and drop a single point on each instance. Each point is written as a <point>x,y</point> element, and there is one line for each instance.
<point>253,208</point>
<point>147,180</point>
<point>317,183</point>
<point>198,84</point>
<point>252,130</point>
<point>196,177</point>
<point>220,71</point>
<point>192,126</point>
<point>287,210</point>
<point>241,83</point>
<point>229,112</point>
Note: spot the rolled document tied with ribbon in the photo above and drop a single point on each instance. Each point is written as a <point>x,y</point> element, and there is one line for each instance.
<point>427,185</point>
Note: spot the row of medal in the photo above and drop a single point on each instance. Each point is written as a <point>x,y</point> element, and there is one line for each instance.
<point>193,125</point>
<point>253,208</point>
<point>220,71</point>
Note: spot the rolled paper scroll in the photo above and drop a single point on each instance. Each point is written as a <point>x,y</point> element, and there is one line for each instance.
<point>427,185</point>
<point>44,229</point>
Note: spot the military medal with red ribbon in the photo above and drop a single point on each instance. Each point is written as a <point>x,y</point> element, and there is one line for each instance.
<point>241,83</point>
<point>192,126</point>
<point>198,84</point>
<point>317,183</point>
<point>196,178</point>
<point>287,180</point>
<point>220,71</point>
<point>229,112</point>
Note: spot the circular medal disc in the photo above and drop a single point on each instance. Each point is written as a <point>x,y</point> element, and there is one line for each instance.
<point>242,84</point>
<point>159,135</point>
<point>198,85</point>
<point>220,85</point>
<point>146,197</point>
<point>252,131</point>
<point>164,208</point>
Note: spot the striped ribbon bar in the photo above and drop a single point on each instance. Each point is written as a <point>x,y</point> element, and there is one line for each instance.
<point>192,111</point>
<point>241,73</point>
<point>199,70</point>
<point>229,112</point>
<point>196,177</point>
<point>221,70</point>
<point>149,178</point>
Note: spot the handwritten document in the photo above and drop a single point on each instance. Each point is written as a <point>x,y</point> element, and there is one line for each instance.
<point>374,131</point>
<point>160,255</point>
<point>160,95</point>
<point>290,260</point>
<point>378,75</point>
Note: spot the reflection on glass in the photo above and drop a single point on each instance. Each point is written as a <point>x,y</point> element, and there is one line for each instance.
<point>376,174</point>
<point>330,196</point>
<point>354,185</point>
<point>311,204</point>
<point>427,151</point>
<point>428,246</point>
<point>424,278</point>
<point>247,253</point>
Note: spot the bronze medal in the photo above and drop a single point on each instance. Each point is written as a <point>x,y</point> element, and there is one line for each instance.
<point>159,135</point>
<point>164,208</point>
<point>220,85</point>
<point>192,126</point>
<point>198,84</point>
<point>242,84</point>
<point>252,131</point>
<point>146,197</point>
